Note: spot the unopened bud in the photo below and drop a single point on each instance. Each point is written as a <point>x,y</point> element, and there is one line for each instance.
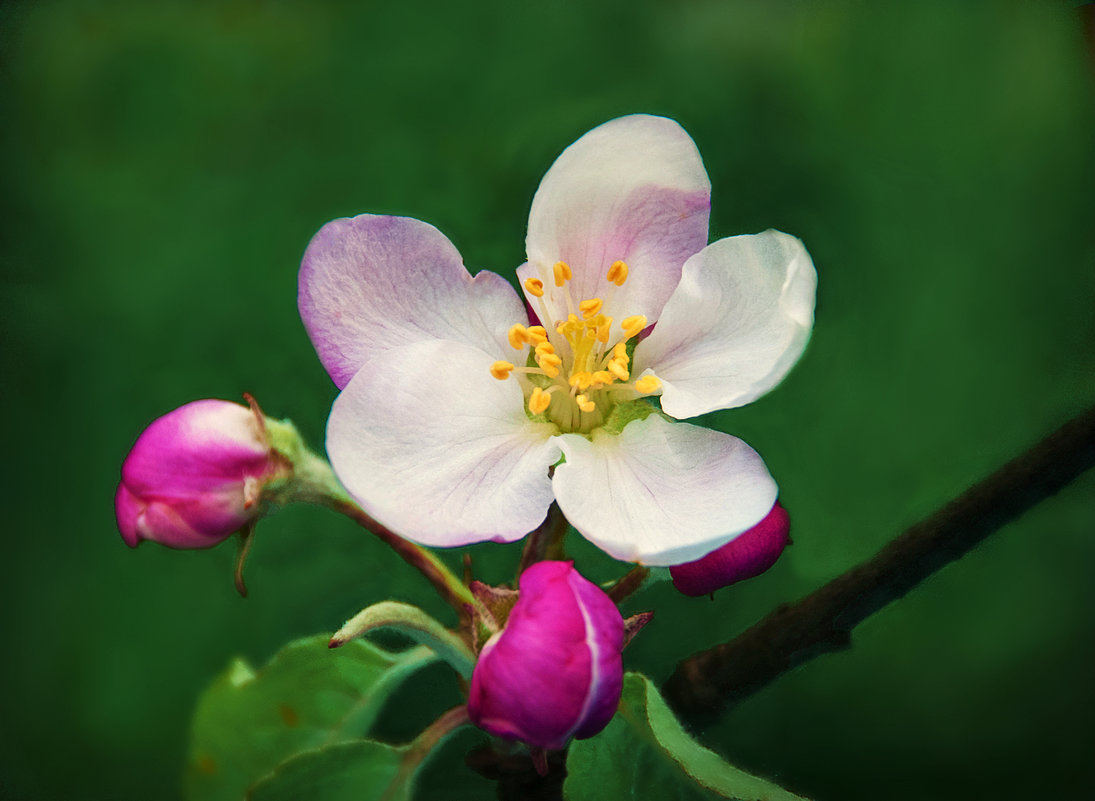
<point>555,671</point>
<point>211,468</point>
<point>745,556</point>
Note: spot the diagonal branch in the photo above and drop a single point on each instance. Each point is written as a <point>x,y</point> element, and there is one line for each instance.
<point>706,683</point>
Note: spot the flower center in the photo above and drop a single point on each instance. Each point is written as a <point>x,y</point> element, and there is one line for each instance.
<point>582,365</point>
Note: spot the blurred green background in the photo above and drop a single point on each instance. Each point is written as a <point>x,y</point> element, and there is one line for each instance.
<point>165,164</point>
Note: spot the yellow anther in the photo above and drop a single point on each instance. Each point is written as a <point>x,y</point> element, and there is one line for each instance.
<point>550,370</point>
<point>544,347</point>
<point>562,273</point>
<point>604,330</point>
<point>539,401</point>
<point>585,404</point>
<point>581,380</point>
<point>569,326</point>
<point>518,336</point>
<point>648,384</point>
<point>536,334</point>
<point>619,352</point>
<point>544,359</point>
<point>601,378</point>
<point>535,287</point>
<point>501,370</point>
<point>633,325</point>
<point>590,307</point>
<point>617,273</point>
<point>618,369</point>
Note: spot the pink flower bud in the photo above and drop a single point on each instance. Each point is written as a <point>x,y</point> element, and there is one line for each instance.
<point>745,556</point>
<point>195,476</point>
<point>555,671</point>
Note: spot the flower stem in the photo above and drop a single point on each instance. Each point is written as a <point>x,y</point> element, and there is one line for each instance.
<point>707,682</point>
<point>546,542</point>
<point>449,587</point>
<point>628,583</point>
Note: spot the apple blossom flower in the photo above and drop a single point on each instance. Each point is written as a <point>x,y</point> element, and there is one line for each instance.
<point>555,670</point>
<point>455,404</point>
<point>746,556</point>
<point>196,475</point>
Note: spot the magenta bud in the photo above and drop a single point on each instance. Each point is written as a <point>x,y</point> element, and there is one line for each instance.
<point>555,671</point>
<point>745,556</point>
<point>196,475</point>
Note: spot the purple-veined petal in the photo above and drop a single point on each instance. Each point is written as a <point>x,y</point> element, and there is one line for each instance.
<point>372,282</point>
<point>439,451</point>
<point>735,326</point>
<point>632,189</point>
<point>661,493</point>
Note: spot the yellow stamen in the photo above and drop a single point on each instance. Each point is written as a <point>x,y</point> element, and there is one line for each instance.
<point>535,287</point>
<point>648,384</point>
<point>604,331</point>
<point>633,325</point>
<point>617,273</point>
<point>601,378</point>
<point>544,347</point>
<point>501,370</point>
<point>585,404</point>
<point>590,307</point>
<point>539,401</point>
<point>581,380</point>
<point>536,334</point>
<point>618,369</point>
<point>619,353</point>
<point>518,336</point>
<point>562,273</point>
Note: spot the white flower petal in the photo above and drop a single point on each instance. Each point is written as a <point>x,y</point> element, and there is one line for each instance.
<point>439,451</point>
<point>662,493</point>
<point>372,282</point>
<point>633,189</point>
<point>736,324</point>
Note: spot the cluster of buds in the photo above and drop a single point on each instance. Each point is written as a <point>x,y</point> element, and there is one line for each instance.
<point>554,672</point>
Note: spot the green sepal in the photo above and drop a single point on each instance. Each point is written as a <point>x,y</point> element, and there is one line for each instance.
<point>627,412</point>
<point>306,697</point>
<point>645,753</point>
<point>414,623</point>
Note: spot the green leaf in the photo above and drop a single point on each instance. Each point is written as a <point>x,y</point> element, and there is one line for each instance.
<point>352,771</point>
<point>306,697</point>
<point>363,769</point>
<point>645,753</point>
<point>414,623</point>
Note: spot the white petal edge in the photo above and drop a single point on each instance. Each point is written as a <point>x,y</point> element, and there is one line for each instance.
<point>633,189</point>
<point>734,327</point>
<point>661,493</point>
<point>439,451</point>
<point>373,282</point>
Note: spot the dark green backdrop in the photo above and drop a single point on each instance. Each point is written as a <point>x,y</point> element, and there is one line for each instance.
<point>164,165</point>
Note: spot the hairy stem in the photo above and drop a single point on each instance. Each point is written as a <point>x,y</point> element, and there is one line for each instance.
<point>706,683</point>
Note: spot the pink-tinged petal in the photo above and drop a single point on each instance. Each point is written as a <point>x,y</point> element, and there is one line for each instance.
<point>735,326</point>
<point>555,671</point>
<point>744,557</point>
<point>661,493</point>
<point>632,189</point>
<point>370,283</point>
<point>439,451</point>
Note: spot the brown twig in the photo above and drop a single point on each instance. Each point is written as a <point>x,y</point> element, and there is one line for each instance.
<point>705,683</point>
